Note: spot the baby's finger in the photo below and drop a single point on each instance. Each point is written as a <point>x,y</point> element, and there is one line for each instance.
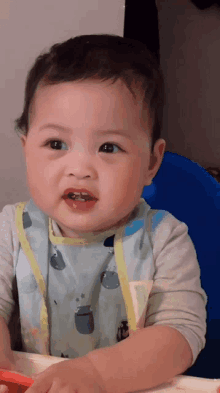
<point>3,389</point>
<point>34,376</point>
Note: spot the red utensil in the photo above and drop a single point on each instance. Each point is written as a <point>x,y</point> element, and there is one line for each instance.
<point>16,383</point>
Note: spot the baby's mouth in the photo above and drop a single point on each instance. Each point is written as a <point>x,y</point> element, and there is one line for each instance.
<point>80,196</point>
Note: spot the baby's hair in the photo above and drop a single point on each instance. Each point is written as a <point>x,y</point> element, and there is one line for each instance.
<point>99,58</point>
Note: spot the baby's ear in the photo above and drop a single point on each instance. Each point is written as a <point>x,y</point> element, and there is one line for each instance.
<point>155,160</point>
<point>23,139</point>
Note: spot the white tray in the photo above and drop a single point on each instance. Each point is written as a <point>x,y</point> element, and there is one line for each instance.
<point>30,363</point>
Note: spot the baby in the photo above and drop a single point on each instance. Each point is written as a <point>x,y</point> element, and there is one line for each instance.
<point>100,277</point>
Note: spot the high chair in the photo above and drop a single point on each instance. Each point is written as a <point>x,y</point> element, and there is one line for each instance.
<point>192,195</point>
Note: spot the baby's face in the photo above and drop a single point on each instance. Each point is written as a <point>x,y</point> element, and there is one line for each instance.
<point>87,137</point>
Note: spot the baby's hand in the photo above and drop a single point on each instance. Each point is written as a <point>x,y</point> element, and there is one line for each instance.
<point>7,363</point>
<point>3,389</point>
<point>75,375</point>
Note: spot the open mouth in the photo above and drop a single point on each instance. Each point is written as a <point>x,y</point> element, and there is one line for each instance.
<point>80,196</point>
<point>79,200</point>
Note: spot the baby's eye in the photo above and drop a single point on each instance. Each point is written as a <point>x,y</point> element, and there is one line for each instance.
<point>56,144</point>
<point>109,148</point>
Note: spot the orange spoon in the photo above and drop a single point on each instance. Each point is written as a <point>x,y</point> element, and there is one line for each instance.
<point>16,383</point>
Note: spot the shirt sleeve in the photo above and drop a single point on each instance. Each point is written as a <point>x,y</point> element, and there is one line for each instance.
<point>7,248</point>
<point>177,299</point>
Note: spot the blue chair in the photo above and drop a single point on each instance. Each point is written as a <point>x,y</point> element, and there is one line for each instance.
<point>192,195</point>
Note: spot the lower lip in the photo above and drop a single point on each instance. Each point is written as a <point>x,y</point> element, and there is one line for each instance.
<point>78,205</point>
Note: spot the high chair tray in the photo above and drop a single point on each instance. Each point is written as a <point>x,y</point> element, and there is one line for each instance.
<point>28,364</point>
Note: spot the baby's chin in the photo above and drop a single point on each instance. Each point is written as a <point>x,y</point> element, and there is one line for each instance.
<point>67,232</point>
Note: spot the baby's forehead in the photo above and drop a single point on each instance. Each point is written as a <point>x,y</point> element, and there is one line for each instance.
<point>118,87</point>
<point>120,105</point>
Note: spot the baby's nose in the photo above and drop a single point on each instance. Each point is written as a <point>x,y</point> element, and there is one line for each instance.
<point>81,166</point>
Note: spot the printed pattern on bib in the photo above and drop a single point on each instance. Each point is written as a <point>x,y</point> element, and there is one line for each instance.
<point>85,304</point>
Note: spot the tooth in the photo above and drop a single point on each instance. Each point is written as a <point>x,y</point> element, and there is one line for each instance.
<point>77,193</point>
<point>84,193</point>
<point>72,196</point>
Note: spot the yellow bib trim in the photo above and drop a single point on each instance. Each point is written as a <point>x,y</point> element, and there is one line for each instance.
<point>64,240</point>
<point>123,278</point>
<point>37,273</point>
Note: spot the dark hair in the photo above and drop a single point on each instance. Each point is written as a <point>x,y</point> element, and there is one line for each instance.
<point>99,57</point>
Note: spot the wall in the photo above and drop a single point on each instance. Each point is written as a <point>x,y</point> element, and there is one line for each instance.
<point>190,58</point>
<point>28,27</point>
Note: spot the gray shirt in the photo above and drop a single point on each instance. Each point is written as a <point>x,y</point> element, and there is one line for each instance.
<point>176,299</point>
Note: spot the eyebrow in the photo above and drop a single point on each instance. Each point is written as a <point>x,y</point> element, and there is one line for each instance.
<point>68,129</point>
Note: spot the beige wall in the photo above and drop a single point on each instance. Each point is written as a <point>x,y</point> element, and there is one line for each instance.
<point>28,27</point>
<point>190,58</point>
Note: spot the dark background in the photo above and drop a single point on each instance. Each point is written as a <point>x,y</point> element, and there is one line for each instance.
<point>141,23</point>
